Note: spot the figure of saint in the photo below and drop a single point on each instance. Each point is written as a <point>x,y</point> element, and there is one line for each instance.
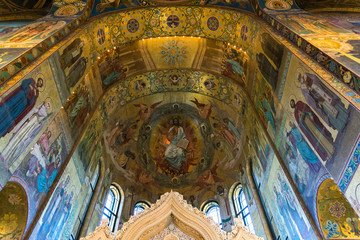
<point>226,217</point>
<point>15,106</point>
<point>290,204</point>
<point>118,73</point>
<point>311,126</point>
<point>267,111</point>
<point>193,201</point>
<point>236,67</point>
<point>76,72</point>
<point>44,142</point>
<point>175,151</point>
<point>71,53</point>
<point>80,111</point>
<point>284,212</point>
<point>326,103</point>
<point>23,135</point>
<point>299,143</point>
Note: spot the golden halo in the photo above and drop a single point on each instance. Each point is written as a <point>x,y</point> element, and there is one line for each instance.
<point>40,75</point>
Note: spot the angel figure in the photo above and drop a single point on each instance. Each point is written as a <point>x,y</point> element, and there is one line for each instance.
<point>204,110</point>
<point>145,111</point>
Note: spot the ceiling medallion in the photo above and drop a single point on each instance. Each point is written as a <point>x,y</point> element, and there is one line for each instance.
<point>213,23</point>
<point>173,142</point>
<point>132,25</point>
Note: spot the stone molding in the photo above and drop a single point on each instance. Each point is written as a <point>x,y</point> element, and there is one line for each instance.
<point>172,209</point>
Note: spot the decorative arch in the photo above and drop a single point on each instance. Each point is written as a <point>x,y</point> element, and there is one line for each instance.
<point>172,210</point>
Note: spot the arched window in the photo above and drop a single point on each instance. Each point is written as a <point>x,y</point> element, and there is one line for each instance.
<point>140,206</point>
<point>241,207</point>
<point>111,208</point>
<point>212,209</point>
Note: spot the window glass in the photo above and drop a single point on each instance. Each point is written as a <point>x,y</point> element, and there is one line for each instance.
<point>111,206</point>
<point>139,207</point>
<point>241,207</point>
<point>212,209</point>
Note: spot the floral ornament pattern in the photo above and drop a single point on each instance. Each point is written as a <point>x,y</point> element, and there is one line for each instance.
<point>337,209</point>
<point>332,229</point>
<point>8,223</point>
<point>354,225</point>
<point>173,52</point>
<point>337,218</point>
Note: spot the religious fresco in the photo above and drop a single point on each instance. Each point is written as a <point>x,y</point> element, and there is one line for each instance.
<point>51,224</point>
<point>235,63</point>
<point>170,143</point>
<point>306,150</point>
<point>147,97</point>
<point>311,103</point>
<point>26,111</point>
<point>325,43</point>
<point>285,121</point>
<point>348,183</point>
<point>30,34</point>
<point>346,20</point>
<point>88,147</point>
<point>77,108</point>
<point>109,32</point>
<point>38,35</point>
<point>69,65</point>
<point>280,203</point>
<point>40,166</point>
<point>13,211</point>
<point>172,140</point>
<point>198,120</point>
<point>336,217</point>
<point>164,81</point>
<point>105,6</point>
<point>277,5</point>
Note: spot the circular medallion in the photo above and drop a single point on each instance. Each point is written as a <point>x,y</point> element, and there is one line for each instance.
<point>132,25</point>
<point>177,144</point>
<point>68,10</point>
<point>100,36</point>
<point>213,23</point>
<point>173,21</point>
<point>278,5</point>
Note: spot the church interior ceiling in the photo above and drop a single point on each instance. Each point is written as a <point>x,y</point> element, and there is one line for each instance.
<point>187,21</point>
<point>179,97</point>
